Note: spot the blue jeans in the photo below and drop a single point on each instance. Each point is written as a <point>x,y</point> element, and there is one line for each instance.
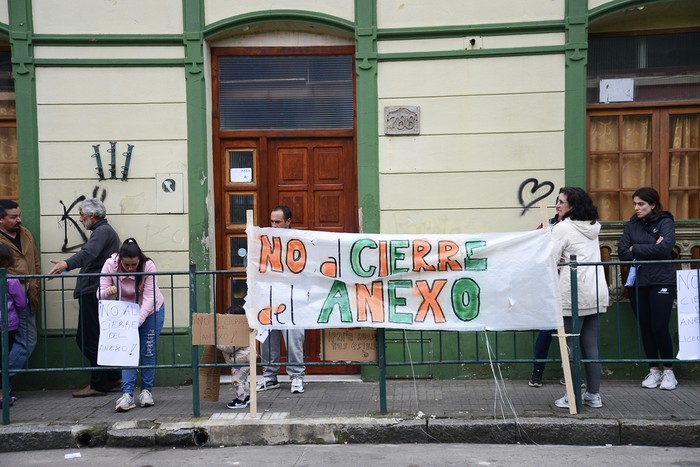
<point>544,339</point>
<point>149,332</point>
<point>25,340</point>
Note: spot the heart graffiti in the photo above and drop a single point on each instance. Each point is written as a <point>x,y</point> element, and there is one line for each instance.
<point>532,191</point>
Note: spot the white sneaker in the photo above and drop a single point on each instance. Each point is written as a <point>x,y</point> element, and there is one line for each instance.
<point>297,385</point>
<point>124,403</point>
<point>562,402</point>
<point>266,383</point>
<point>653,379</point>
<point>146,398</point>
<point>668,380</point>
<point>592,400</point>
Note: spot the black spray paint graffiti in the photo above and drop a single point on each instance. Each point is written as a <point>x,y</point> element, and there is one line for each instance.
<point>66,219</point>
<point>532,191</point>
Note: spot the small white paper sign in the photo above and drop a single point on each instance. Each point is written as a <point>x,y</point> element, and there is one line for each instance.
<point>617,90</point>
<point>119,333</point>
<point>688,315</point>
<point>242,175</point>
<point>261,335</point>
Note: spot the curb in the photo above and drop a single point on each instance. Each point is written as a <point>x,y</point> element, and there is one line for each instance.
<point>357,430</point>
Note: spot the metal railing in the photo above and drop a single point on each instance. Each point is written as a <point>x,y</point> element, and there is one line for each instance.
<point>619,344</point>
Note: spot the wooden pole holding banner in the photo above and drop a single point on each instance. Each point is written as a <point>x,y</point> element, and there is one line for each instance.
<point>561,334</point>
<point>252,347</point>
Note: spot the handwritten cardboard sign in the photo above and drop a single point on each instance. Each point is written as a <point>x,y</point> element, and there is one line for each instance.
<point>119,333</point>
<point>688,315</point>
<point>350,345</point>
<point>210,377</point>
<point>230,329</point>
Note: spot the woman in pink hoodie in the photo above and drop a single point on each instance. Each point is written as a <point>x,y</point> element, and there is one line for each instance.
<point>141,289</point>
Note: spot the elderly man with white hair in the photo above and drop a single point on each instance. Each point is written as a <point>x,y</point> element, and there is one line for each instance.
<point>103,242</point>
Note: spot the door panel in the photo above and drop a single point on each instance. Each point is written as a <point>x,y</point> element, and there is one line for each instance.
<point>316,178</point>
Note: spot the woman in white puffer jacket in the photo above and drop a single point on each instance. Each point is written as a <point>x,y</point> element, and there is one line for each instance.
<point>577,233</point>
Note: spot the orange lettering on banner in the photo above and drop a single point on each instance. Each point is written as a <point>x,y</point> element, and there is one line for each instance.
<point>383,266</point>
<point>270,253</point>
<point>329,268</point>
<point>296,256</point>
<point>373,300</point>
<point>430,300</point>
<point>421,248</point>
<point>447,250</point>
<point>265,315</point>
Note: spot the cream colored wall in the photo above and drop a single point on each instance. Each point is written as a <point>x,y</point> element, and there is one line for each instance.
<point>79,107</point>
<point>108,52</point>
<point>460,43</point>
<point>596,3</point>
<point>217,10</point>
<point>486,126</point>
<point>4,12</point>
<point>283,39</point>
<point>421,13</point>
<point>107,17</point>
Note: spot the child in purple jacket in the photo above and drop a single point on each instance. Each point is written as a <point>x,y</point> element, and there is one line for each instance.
<point>16,300</point>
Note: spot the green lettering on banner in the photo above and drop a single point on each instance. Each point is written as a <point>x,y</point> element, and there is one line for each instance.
<point>337,295</point>
<point>394,302</point>
<point>474,264</point>
<point>396,255</point>
<point>462,289</point>
<point>355,253</point>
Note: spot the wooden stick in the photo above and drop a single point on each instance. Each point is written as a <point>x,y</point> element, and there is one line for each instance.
<point>561,334</point>
<point>252,347</point>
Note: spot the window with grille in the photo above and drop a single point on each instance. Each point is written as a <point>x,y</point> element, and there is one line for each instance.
<point>9,188</point>
<point>286,92</point>
<point>663,67</point>
<point>654,138</point>
<point>657,147</point>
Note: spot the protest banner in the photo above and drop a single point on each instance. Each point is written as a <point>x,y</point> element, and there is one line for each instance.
<point>119,333</point>
<point>688,315</point>
<point>463,282</point>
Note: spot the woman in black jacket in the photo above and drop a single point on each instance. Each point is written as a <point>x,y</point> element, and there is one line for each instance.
<point>650,234</point>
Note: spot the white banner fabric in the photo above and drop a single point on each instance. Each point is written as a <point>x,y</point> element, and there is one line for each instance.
<point>465,282</point>
<point>688,315</point>
<point>119,333</point>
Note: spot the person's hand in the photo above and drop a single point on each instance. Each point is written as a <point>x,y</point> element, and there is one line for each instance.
<point>58,267</point>
<point>659,240</point>
<point>111,291</point>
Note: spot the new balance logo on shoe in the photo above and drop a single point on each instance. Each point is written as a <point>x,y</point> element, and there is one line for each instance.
<point>663,291</point>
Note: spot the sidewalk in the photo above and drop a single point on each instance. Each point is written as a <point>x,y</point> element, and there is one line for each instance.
<point>348,411</point>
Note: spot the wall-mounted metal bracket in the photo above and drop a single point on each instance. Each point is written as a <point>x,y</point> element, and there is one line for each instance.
<point>125,167</point>
<point>98,159</point>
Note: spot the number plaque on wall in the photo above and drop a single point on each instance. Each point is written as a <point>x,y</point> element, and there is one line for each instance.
<point>404,120</point>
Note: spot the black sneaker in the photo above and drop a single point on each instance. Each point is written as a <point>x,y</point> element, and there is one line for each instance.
<point>536,379</point>
<point>239,404</point>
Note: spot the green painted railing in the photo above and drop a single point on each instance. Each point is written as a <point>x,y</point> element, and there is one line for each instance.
<point>396,350</point>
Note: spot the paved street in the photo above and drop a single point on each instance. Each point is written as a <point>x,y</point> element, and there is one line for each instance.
<point>422,411</point>
<point>371,455</point>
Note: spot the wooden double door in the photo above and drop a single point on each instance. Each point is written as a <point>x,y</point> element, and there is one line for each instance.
<point>315,177</point>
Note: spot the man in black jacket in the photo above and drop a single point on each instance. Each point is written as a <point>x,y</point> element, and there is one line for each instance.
<point>103,242</point>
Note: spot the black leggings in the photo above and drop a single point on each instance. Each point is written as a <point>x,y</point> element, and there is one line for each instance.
<point>589,330</point>
<point>652,305</point>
